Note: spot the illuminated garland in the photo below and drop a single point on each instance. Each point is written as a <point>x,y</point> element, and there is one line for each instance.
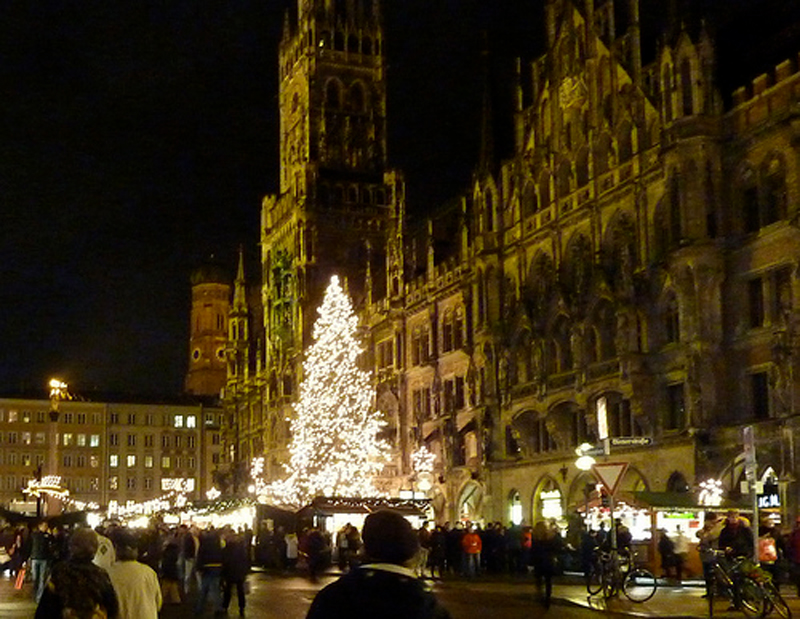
<point>335,448</point>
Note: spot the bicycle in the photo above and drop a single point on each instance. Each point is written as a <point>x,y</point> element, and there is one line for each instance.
<point>612,572</point>
<point>736,576</point>
<point>773,600</point>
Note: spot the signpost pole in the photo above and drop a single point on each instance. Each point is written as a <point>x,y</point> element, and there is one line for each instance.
<point>748,440</point>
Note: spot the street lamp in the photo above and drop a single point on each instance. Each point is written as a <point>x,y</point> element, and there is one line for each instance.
<point>584,461</point>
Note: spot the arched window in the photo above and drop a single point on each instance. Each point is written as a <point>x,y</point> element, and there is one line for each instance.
<point>489,211</point>
<point>674,202</point>
<point>624,142</point>
<point>338,41</point>
<point>774,192</point>
<point>356,98</point>
<point>672,324</point>
<point>667,92</point>
<point>544,189</point>
<point>447,331</point>
<point>749,193</point>
<point>582,167</point>
<point>602,154</point>
<point>561,350</point>
<point>686,88</point>
<point>333,95</point>
<point>564,179</point>
<point>529,200</point>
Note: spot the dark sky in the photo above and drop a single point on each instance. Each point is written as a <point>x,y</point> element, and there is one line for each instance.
<point>138,138</point>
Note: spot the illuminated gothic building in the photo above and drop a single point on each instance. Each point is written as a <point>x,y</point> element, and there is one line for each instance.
<point>634,259</point>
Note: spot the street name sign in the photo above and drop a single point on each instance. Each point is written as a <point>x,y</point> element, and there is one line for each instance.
<point>631,441</point>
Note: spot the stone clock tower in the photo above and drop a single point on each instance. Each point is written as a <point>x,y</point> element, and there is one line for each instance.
<point>211,293</point>
<point>339,209</point>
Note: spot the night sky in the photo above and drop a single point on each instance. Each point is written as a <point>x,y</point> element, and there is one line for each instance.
<point>138,138</point>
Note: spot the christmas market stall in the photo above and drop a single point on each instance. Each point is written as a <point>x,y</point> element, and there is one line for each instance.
<point>679,515</point>
<point>330,514</point>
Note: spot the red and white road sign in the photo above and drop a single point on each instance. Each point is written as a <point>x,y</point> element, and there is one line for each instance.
<point>610,474</point>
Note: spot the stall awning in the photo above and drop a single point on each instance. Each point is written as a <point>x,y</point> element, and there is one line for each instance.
<point>351,505</point>
<point>677,501</point>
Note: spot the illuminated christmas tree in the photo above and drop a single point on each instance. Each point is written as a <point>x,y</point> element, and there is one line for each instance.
<point>335,449</point>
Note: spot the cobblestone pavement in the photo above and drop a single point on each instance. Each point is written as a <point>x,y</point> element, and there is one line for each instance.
<point>294,593</point>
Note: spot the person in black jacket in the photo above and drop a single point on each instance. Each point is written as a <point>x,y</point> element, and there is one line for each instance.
<point>209,566</point>
<point>235,567</point>
<point>384,585</point>
<point>77,587</point>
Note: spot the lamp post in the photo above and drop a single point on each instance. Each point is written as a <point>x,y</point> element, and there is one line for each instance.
<point>585,463</point>
<point>58,391</point>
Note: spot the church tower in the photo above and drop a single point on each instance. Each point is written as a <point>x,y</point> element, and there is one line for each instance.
<point>211,290</point>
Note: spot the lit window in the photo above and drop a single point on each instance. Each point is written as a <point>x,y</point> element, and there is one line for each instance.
<point>94,440</point>
<point>39,438</point>
<point>178,421</point>
<point>191,421</point>
<point>12,416</point>
<point>26,459</point>
<point>66,439</point>
<point>94,461</point>
<point>26,438</point>
<point>148,462</point>
<point>81,440</point>
<point>113,460</point>
<point>113,482</point>
<point>131,460</point>
<point>165,462</point>
<point>26,416</point>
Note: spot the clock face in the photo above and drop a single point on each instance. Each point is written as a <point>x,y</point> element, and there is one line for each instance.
<point>196,355</point>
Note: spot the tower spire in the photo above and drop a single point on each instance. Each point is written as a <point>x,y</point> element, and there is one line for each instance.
<point>486,155</point>
<point>240,286</point>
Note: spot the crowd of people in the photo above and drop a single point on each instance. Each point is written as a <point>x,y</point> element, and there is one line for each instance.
<point>131,573</point>
<point>117,572</point>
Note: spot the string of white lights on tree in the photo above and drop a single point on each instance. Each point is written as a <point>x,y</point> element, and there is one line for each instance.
<point>335,449</point>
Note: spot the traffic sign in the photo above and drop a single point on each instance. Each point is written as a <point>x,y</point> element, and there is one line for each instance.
<point>631,441</point>
<point>610,474</point>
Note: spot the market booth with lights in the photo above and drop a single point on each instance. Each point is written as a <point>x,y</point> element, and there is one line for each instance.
<point>331,513</point>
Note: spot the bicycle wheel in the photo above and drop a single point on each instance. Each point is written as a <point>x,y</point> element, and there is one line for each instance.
<point>776,603</point>
<point>639,585</point>
<point>594,583</point>
<point>753,600</point>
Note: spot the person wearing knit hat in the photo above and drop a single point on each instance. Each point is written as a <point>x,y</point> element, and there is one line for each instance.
<point>384,585</point>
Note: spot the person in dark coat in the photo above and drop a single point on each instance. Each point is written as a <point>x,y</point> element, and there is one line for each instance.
<point>235,567</point>
<point>384,585</point>
<point>209,566</point>
<point>77,587</point>
<point>546,545</point>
